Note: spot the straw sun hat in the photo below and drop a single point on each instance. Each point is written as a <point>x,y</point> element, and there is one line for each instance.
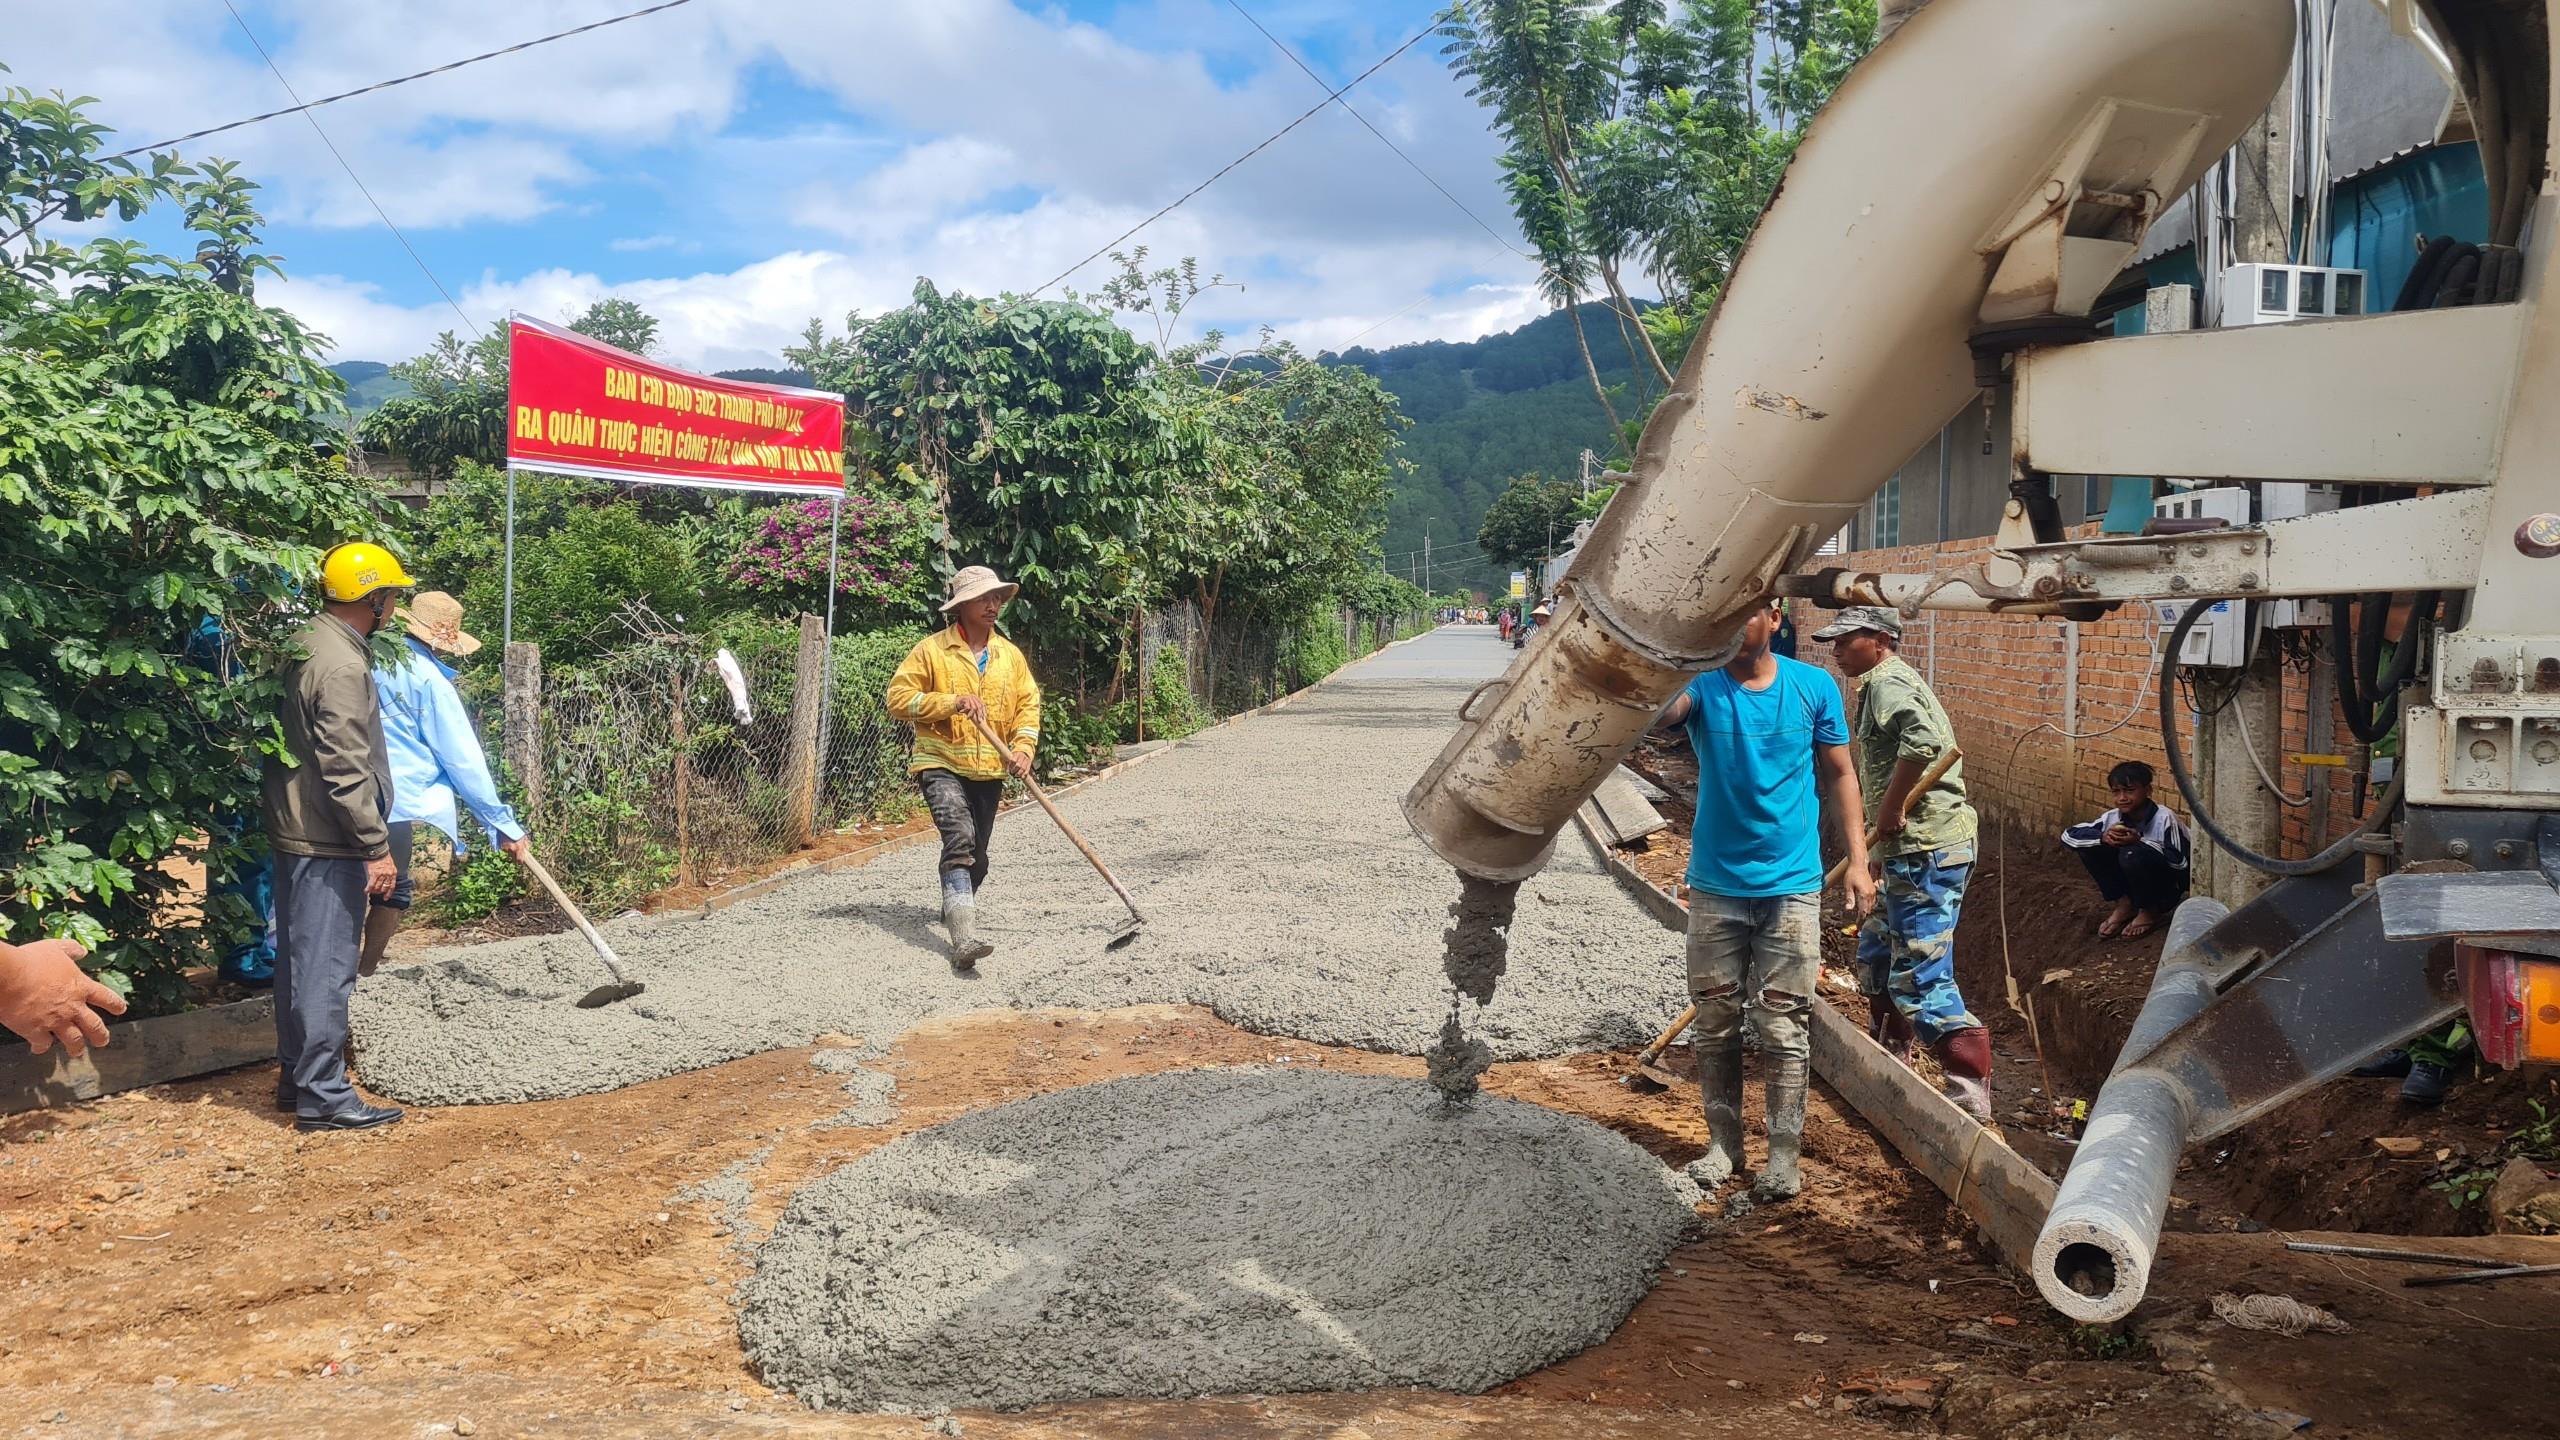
<point>969,584</point>
<point>436,618</point>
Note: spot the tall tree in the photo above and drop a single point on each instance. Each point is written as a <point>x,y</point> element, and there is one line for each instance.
<point>1527,520</point>
<point>1662,140</point>
<point>161,468</point>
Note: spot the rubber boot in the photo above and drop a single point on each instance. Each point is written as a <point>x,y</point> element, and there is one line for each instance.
<point>960,917</point>
<point>1965,1056</point>
<point>380,924</point>
<point>1720,1089</point>
<point>1783,1176</point>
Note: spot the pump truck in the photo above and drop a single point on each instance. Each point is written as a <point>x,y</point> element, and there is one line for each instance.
<point>1949,224</point>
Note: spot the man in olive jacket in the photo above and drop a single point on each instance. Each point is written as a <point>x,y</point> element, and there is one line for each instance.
<point>327,816</point>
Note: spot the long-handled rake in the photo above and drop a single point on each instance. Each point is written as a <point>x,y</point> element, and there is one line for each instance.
<point>1127,930</point>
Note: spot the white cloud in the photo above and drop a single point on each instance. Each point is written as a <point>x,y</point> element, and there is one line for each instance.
<point>976,141</point>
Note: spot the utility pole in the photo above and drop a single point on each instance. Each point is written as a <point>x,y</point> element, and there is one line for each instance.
<point>2262,231</point>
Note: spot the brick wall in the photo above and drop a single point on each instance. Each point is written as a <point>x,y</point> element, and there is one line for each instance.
<point>2002,678</point>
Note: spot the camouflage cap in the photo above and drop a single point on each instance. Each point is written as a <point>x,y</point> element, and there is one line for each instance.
<point>1862,617</point>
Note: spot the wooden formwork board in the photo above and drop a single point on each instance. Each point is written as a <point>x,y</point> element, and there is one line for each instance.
<point>142,1052</point>
<point>1992,1184</point>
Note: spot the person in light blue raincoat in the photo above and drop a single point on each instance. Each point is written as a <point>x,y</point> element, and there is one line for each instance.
<point>437,764</point>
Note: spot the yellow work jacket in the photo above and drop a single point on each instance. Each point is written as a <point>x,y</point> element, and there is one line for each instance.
<point>926,693</point>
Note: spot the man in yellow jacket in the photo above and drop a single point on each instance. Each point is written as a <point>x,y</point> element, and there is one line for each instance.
<point>953,681</point>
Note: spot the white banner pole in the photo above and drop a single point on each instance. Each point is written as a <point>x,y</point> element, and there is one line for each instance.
<point>827,669</point>
<point>507,622</point>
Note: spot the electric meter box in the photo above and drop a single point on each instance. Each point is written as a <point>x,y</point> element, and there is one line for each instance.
<point>2220,636</point>
<point>2273,294</point>
<point>2289,501</point>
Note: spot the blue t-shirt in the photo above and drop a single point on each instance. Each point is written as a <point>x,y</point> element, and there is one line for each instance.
<point>1759,826</point>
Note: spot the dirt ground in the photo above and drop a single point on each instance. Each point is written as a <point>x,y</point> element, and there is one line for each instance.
<point>178,1261</point>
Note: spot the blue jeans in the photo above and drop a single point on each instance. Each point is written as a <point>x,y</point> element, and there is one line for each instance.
<point>1762,955</point>
<point>1907,947</point>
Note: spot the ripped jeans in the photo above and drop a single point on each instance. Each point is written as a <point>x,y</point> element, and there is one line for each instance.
<point>1763,955</point>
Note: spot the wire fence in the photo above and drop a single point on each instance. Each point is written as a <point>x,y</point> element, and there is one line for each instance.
<point>673,763</point>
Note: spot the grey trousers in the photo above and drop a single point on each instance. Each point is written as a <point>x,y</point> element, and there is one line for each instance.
<point>320,906</point>
<point>965,812</point>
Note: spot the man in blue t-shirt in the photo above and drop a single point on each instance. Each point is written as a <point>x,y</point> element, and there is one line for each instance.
<point>1772,747</point>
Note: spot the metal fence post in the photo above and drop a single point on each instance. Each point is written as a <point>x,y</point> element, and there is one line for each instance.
<point>808,698</point>
<point>522,725</point>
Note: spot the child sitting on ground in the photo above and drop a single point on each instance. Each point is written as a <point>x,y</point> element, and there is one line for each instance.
<point>2137,853</point>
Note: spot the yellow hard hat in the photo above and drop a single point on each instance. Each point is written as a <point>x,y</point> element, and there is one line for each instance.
<point>353,571</point>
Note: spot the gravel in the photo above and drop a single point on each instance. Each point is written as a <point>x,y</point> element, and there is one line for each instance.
<point>1209,1232</point>
<point>1281,886</point>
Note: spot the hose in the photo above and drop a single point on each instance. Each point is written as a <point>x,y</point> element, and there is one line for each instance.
<point>2370,714</point>
<point>2328,859</point>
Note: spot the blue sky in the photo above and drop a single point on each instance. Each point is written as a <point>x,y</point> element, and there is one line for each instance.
<point>739,166</point>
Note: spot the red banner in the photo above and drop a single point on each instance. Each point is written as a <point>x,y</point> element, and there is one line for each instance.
<point>581,407</point>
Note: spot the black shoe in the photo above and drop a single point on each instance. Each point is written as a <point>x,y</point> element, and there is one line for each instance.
<point>358,1116</point>
<point>287,1103</point>
<point>2389,1065</point>
<point>2428,1083</point>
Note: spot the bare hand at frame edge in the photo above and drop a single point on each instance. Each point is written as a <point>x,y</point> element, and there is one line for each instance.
<point>45,996</point>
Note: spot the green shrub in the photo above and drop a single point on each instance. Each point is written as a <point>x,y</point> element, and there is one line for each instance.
<point>583,552</point>
<point>162,500</point>
<point>1070,738</point>
<point>1313,648</point>
<point>1171,710</point>
<point>608,858</point>
<point>476,888</point>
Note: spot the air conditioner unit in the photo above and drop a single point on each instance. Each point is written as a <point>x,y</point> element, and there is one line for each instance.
<point>2273,294</point>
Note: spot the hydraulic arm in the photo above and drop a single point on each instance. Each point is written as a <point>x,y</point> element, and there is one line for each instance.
<point>1972,186</point>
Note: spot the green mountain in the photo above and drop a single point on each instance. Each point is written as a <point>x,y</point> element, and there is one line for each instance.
<point>1484,411</point>
<point>369,383</point>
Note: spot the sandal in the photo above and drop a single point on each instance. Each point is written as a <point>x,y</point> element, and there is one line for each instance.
<point>2139,926</point>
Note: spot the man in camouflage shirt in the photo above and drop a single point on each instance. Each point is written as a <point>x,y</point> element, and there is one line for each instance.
<point>1906,948</point>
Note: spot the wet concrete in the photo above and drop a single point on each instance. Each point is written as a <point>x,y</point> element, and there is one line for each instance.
<point>1282,888</point>
<point>1209,1232</point>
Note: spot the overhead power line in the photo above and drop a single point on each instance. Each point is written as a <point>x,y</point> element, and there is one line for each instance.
<point>299,106</point>
<point>1282,46</point>
<point>1267,143</point>
<point>361,188</point>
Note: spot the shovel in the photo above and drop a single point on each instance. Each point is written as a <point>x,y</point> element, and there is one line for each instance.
<point>1126,930</point>
<point>1649,1076</point>
<point>623,987</point>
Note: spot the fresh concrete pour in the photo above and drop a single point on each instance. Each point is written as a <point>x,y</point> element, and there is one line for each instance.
<point>1282,890</point>
<point>1209,1232</point>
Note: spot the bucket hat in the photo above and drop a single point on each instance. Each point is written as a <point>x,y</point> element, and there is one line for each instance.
<point>436,618</point>
<point>973,582</point>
